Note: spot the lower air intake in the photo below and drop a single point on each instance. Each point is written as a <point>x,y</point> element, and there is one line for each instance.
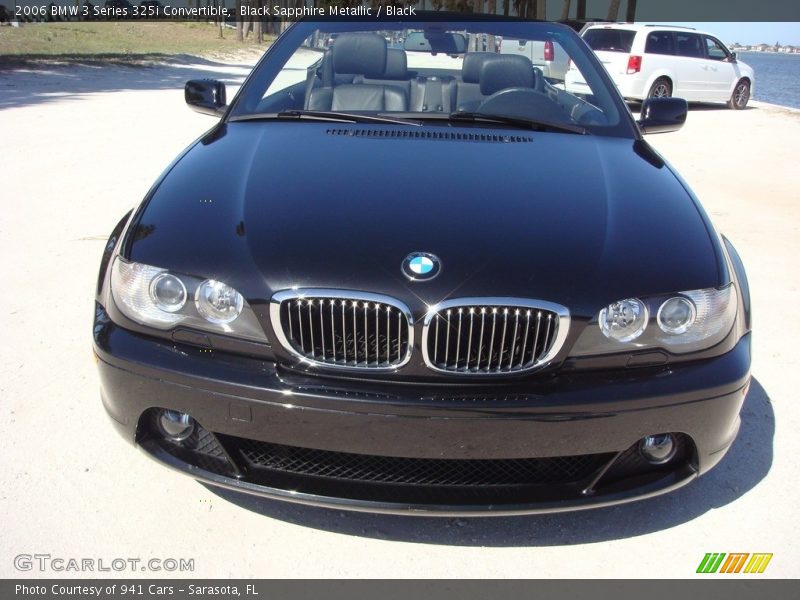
<point>414,471</point>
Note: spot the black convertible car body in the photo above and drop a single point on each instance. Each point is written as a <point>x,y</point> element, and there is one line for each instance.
<point>410,277</point>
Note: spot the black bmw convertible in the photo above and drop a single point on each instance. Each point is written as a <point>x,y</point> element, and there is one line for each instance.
<point>405,274</point>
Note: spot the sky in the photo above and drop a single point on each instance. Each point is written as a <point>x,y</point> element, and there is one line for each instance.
<point>751,33</point>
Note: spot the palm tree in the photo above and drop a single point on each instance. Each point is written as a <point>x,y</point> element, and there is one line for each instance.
<point>239,23</point>
<point>613,10</point>
<point>527,9</point>
<point>477,5</point>
<point>258,23</point>
<point>491,9</point>
<point>565,10</point>
<point>630,11</point>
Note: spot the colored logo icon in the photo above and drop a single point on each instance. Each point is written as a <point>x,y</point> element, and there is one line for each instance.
<point>421,266</point>
<point>734,562</point>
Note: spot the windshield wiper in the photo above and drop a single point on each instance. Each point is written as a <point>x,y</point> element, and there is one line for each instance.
<point>536,124</point>
<point>324,115</point>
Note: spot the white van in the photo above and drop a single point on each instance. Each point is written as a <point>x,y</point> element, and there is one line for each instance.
<point>647,61</point>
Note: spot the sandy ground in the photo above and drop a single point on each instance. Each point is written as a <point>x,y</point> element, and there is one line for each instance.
<point>81,145</point>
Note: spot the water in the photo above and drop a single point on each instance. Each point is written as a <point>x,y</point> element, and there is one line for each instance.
<point>777,77</point>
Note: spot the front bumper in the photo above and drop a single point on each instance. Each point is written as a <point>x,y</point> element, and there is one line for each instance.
<point>342,443</point>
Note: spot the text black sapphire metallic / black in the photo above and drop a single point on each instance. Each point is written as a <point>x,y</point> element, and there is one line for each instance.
<point>410,271</point>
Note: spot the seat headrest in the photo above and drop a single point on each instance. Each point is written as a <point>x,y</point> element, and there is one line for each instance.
<point>506,71</point>
<point>471,67</point>
<point>360,54</point>
<point>396,64</point>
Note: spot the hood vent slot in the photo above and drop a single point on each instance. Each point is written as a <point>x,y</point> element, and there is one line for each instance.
<point>411,134</point>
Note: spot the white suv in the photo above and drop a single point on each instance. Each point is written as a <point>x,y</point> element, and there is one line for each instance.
<point>647,61</point>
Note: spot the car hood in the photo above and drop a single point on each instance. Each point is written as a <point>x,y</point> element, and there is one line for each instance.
<point>576,220</point>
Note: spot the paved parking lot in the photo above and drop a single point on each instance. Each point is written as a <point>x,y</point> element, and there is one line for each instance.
<point>80,145</point>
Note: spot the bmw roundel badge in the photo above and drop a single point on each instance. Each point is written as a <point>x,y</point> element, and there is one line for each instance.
<point>421,266</point>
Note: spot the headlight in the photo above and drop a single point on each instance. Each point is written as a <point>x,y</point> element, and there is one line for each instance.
<point>679,323</point>
<point>676,315</point>
<point>168,292</point>
<point>161,299</point>
<point>624,320</point>
<point>217,302</point>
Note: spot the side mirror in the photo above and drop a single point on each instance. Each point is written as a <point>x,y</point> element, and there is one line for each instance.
<point>206,96</point>
<point>661,115</point>
<point>733,57</point>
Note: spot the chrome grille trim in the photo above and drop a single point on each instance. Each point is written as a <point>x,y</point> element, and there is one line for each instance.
<point>343,329</point>
<point>514,335</point>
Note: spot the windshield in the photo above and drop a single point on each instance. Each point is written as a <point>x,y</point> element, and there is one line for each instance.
<point>438,72</point>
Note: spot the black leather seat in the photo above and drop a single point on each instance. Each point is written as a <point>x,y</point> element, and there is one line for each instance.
<point>358,97</point>
<point>395,73</point>
<point>363,55</point>
<point>511,85</point>
<point>468,90</point>
<point>505,71</point>
<point>425,94</point>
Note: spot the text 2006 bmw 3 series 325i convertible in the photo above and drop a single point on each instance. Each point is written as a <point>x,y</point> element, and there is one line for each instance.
<point>408,273</point>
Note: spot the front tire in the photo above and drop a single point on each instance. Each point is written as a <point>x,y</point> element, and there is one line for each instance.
<point>661,88</point>
<point>740,95</point>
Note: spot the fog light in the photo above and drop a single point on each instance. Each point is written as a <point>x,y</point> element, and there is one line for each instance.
<point>658,449</point>
<point>176,426</point>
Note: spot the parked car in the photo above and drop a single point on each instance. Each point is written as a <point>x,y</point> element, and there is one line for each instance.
<point>392,280</point>
<point>651,61</point>
<point>547,55</point>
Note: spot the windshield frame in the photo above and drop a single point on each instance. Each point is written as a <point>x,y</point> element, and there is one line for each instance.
<point>275,58</point>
